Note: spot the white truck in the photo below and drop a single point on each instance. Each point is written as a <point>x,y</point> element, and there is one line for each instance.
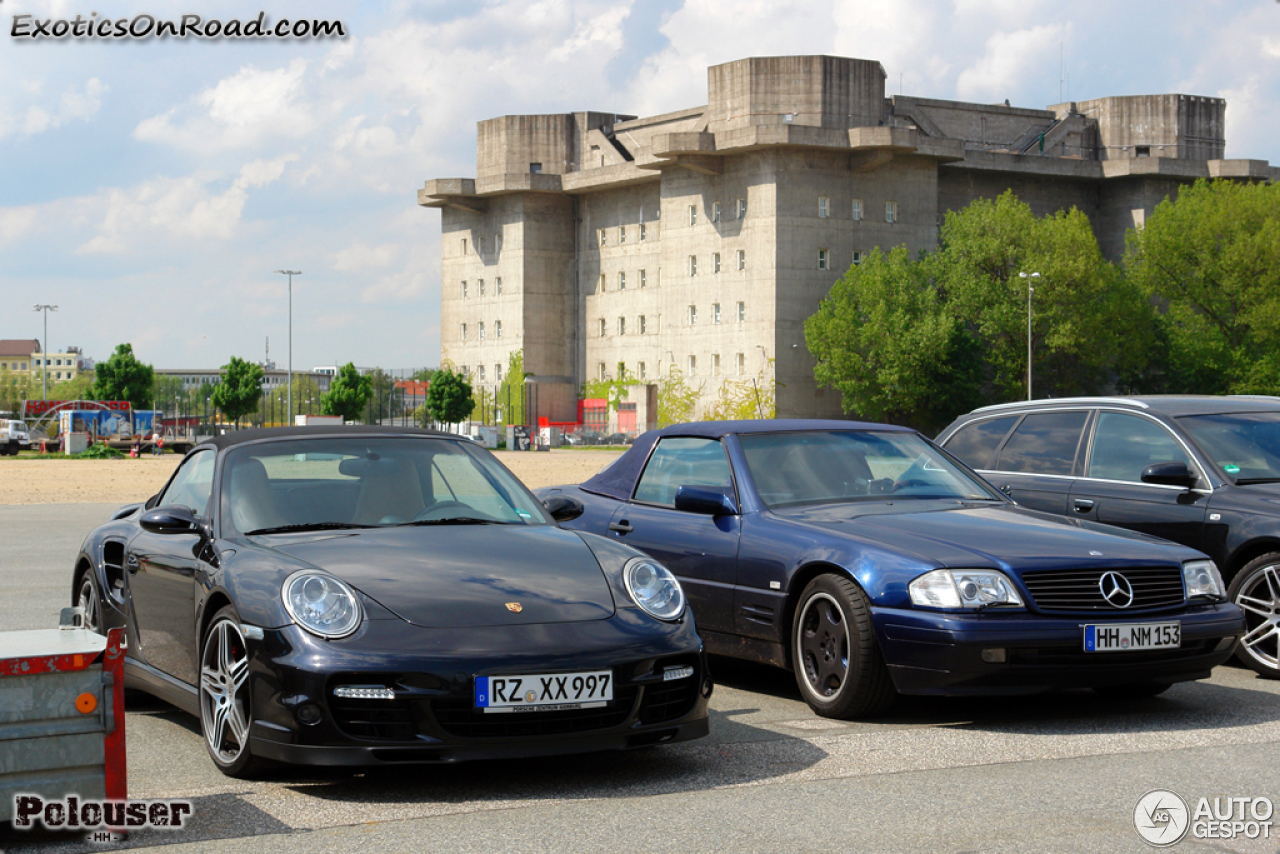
<point>14,436</point>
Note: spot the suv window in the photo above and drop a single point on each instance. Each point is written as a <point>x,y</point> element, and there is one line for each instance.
<point>1044,443</point>
<point>1123,445</point>
<point>976,442</point>
<point>678,462</point>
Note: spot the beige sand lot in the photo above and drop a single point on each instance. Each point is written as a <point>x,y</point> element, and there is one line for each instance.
<point>62,481</point>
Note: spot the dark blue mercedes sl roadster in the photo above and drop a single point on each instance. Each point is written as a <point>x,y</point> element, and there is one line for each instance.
<point>871,563</point>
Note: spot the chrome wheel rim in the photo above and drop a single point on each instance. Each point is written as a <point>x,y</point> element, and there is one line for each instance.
<point>224,698</point>
<point>90,606</point>
<point>822,637</point>
<point>1259,598</point>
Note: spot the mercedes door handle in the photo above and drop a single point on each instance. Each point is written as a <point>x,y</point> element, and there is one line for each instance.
<point>623,527</point>
<point>1083,505</point>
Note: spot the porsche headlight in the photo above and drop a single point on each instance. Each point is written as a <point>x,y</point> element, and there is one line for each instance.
<point>1201,578</point>
<point>963,588</point>
<point>654,588</point>
<point>321,604</point>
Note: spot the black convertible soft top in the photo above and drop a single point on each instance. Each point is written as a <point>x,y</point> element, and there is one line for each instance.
<point>618,479</point>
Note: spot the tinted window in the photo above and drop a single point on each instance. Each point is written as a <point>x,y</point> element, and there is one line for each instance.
<point>1044,443</point>
<point>1123,445</point>
<point>976,443</point>
<point>192,484</point>
<point>1245,445</point>
<point>678,462</point>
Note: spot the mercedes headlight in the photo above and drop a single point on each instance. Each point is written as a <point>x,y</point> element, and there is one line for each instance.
<point>321,604</point>
<point>654,588</point>
<point>1201,578</point>
<point>963,588</point>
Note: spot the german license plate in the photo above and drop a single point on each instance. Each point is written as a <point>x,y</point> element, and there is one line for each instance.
<point>544,692</point>
<point>1125,637</point>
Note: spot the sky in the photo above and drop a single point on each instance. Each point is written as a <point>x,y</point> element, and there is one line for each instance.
<point>152,186</point>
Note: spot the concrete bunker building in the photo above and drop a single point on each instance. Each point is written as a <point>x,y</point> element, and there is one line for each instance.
<point>704,238</point>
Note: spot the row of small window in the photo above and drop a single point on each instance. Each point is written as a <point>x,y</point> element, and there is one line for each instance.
<point>497,372</point>
<point>824,209</point>
<point>715,262</point>
<point>825,262</point>
<point>715,212</point>
<point>691,367</point>
<point>497,330</point>
<point>641,232</point>
<point>497,287</point>
<point>642,328</point>
<point>15,366</point>
<point>480,245</point>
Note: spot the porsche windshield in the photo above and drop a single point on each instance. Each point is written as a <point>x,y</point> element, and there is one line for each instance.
<point>1245,445</point>
<point>369,481</point>
<point>819,467</point>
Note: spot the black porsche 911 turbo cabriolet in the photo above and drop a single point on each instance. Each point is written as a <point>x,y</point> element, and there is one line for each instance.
<point>367,595</point>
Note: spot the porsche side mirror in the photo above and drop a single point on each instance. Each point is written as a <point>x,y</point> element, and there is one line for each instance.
<point>563,508</point>
<point>170,520</point>
<point>1169,474</point>
<point>708,501</point>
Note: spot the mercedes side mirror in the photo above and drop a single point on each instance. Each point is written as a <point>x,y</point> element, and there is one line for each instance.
<point>706,500</point>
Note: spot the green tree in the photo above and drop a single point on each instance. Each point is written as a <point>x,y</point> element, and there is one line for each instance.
<point>1091,327</point>
<point>123,377</point>
<point>449,398</point>
<point>306,399</point>
<point>348,393</point>
<point>239,390</point>
<point>511,392</point>
<point>886,339</point>
<point>166,393</point>
<point>612,390</point>
<point>1211,259</point>
<point>423,375</point>
<point>677,399</point>
<point>15,387</point>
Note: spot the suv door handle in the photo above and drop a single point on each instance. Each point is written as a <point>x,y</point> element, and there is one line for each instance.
<point>623,527</point>
<point>1083,505</point>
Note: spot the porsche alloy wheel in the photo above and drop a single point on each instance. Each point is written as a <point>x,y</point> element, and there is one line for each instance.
<point>838,665</point>
<point>1256,589</point>
<point>225,711</point>
<point>90,603</point>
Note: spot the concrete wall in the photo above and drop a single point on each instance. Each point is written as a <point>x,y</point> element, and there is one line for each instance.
<point>1185,127</point>
<point>820,91</point>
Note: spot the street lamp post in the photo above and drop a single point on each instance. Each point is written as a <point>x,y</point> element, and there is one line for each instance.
<point>290,274</point>
<point>44,356</point>
<point>1031,290</point>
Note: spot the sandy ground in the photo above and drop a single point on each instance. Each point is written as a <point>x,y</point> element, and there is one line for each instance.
<point>63,481</point>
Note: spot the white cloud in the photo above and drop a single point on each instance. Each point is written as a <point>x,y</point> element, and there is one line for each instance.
<point>189,208</point>
<point>75,104</point>
<point>1009,57</point>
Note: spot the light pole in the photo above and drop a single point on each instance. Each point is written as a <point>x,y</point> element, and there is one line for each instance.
<point>44,355</point>
<point>1031,290</point>
<point>290,274</point>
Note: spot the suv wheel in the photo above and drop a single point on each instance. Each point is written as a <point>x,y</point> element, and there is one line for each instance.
<point>1256,589</point>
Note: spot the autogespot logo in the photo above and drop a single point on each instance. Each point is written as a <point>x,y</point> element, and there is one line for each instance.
<point>1161,818</point>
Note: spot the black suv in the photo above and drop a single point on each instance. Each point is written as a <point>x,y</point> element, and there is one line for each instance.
<point>1203,471</point>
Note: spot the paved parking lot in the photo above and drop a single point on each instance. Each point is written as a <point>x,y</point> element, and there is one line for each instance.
<point>1056,773</point>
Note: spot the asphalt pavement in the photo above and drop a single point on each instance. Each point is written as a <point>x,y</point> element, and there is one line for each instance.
<point>1055,773</point>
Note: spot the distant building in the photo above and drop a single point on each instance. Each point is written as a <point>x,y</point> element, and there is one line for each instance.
<point>272,378</point>
<point>705,237</point>
<point>26,356</point>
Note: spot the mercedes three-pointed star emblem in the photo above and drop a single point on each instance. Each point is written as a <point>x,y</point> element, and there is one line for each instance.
<point>1116,589</point>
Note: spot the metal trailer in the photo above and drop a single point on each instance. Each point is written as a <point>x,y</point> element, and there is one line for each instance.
<point>61,715</point>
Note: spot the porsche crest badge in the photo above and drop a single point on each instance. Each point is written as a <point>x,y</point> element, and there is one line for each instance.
<point>515,607</point>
